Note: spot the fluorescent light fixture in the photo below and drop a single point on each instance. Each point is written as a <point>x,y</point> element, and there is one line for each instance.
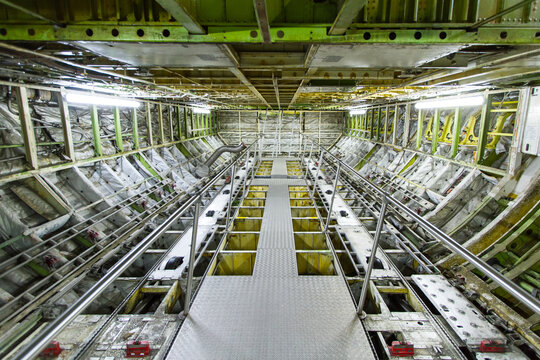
<point>450,103</point>
<point>91,99</point>
<point>357,112</point>
<point>198,110</point>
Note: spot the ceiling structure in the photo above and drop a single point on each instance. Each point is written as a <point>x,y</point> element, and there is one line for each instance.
<point>271,54</point>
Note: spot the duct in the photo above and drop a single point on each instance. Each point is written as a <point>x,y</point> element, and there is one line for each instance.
<point>204,169</point>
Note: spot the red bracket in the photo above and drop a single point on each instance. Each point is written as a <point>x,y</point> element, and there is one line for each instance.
<point>401,349</point>
<point>492,346</point>
<point>136,348</point>
<point>52,350</point>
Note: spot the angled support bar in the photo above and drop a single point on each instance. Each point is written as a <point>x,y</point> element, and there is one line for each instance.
<point>262,19</point>
<point>177,10</point>
<point>348,12</point>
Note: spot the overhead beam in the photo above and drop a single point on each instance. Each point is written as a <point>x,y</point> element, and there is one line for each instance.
<point>348,12</point>
<point>486,35</point>
<point>177,10</point>
<point>240,75</point>
<point>262,19</point>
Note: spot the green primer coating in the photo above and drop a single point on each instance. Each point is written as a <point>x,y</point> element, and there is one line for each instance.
<point>40,270</point>
<point>27,127</point>
<point>184,150</point>
<point>95,130</point>
<point>118,129</point>
<point>435,131</point>
<point>150,137</point>
<point>135,126</point>
<point>160,124</point>
<point>147,166</point>
<point>379,114</point>
<point>421,116</point>
<point>171,128</point>
<point>431,33</point>
<point>366,158</point>
<point>83,241</point>
<point>179,122</point>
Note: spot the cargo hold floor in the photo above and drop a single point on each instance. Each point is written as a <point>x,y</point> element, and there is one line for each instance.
<point>275,313</point>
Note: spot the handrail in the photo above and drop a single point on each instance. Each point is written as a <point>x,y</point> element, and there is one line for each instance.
<point>529,301</point>
<point>47,334</point>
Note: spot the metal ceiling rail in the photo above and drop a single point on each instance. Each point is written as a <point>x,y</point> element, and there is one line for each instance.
<point>44,337</point>
<point>514,290</point>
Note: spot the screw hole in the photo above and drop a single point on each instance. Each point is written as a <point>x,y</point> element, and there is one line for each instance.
<point>253,33</point>
<point>392,36</point>
<point>89,32</point>
<point>166,33</point>
<point>442,35</point>
<point>503,34</point>
<point>280,34</point>
<point>367,35</point>
<point>418,35</point>
<point>31,32</point>
<point>140,32</point>
<point>115,32</point>
<point>3,32</point>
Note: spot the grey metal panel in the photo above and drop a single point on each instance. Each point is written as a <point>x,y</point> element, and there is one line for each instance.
<point>280,167</point>
<point>161,54</point>
<point>336,56</point>
<point>464,318</point>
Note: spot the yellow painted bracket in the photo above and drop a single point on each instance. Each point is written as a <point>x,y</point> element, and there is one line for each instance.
<point>469,137</point>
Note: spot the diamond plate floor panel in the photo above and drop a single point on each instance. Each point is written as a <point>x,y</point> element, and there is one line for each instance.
<point>280,167</point>
<point>274,318</point>
<point>274,314</point>
<point>275,263</point>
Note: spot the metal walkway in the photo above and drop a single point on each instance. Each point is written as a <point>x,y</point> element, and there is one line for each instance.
<point>274,314</point>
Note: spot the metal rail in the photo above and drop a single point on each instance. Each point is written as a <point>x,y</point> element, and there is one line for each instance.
<point>44,337</point>
<point>432,318</point>
<point>438,234</point>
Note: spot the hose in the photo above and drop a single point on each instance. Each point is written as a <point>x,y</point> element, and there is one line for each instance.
<point>204,169</point>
